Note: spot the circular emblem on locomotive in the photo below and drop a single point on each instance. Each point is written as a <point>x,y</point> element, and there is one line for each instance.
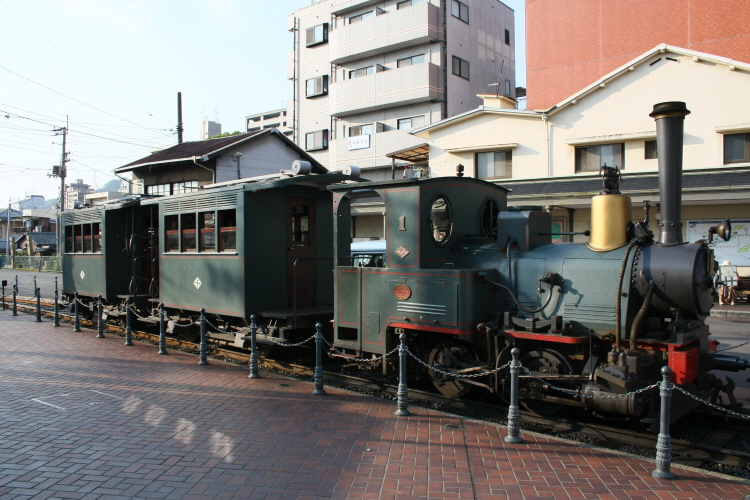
<point>402,292</point>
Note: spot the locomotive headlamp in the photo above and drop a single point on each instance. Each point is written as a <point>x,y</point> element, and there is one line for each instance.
<point>723,231</point>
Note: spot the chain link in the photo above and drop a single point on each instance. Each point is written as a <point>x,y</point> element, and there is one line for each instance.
<point>284,344</point>
<point>589,396</point>
<point>733,347</point>
<point>716,407</point>
<point>132,308</point>
<point>457,375</point>
<point>359,360</point>
<point>219,330</point>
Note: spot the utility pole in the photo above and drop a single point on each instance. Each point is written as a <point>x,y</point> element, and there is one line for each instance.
<point>61,172</point>
<point>179,117</point>
<point>7,251</point>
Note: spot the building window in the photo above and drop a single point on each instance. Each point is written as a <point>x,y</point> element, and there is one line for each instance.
<point>494,164</point>
<point>317,34</point>
<point>736,148</point>
<point>184,187</point>
<point>356,73</point>
<point>460,67</point>
<point>411,122</point>
<point>316,140</point>
<point>316,86</point>
<point>362,17</point>
<point>592,158</point>
<point>408,61</point>
<point>360,130</point>
<point>460,10</point>
<point>650,150</point>
<point>507,37</point>
<point>408,3</point>
<point>507,88</point>
<point>158,189</point>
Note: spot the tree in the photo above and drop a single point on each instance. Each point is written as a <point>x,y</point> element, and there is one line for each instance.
<point>226,134</point>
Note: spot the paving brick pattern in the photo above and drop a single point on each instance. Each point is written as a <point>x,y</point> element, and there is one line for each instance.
<point>89,418</point>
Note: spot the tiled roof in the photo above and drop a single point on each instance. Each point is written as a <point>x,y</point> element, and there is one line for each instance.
<point>43,238</point>
<point>188,150</point>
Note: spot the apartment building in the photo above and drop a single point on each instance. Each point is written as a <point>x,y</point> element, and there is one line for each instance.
<point>366,72</point>
<point>75,191</point>
<point>276,118</point>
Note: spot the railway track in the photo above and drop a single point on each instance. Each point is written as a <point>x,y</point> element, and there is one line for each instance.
<point>703,440</point>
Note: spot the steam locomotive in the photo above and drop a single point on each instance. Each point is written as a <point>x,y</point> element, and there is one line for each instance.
<point>468,280</point>
<point>465,277</point>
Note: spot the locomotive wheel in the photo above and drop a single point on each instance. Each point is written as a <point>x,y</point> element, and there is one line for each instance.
<point>543,362</point>
<point>450,356</point>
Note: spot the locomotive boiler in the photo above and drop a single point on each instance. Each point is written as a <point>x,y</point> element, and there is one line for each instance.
<point>468,280</point>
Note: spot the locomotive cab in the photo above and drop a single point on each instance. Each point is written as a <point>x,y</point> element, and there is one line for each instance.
<point>422,289</point>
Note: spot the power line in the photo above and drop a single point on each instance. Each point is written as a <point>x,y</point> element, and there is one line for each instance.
<point>79,64</point>
<point>79,131</point>
<point>68,97</point>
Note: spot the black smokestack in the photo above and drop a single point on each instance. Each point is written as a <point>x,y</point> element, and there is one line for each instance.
<point>670,123</point>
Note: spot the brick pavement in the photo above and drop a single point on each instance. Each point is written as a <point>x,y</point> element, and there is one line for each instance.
<point>89,418</point>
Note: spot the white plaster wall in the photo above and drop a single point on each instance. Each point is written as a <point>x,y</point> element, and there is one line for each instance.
<point>487,130</point>
<point>715,95</point>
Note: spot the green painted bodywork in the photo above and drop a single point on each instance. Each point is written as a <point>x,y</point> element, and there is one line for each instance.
<point>254,279</point>
<point>109,272</point>
<point>445,298</point>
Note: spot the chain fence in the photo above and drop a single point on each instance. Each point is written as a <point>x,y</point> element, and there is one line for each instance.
<point>439,369</point>
<point>359,360</point>
<point>733,347</point>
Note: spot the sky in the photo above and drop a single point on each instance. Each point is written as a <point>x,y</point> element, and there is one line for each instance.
<point>111,70</point>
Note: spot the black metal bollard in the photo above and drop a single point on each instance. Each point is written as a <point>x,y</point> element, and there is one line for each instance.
<point>77,315</point>
<point>318,379</point>
<point>253,348</point>
<point>38,306</point>
<point>5,283</point>
<point>15,285</point>
<point>203,356</point>
<point>514,413</point>
<point>128,324</point>
<point>57,305</point>
<point>15,309</point>
<point>99,320</point>
<point>162,331</point>
<point>36,290</point>
<point>664,441</point>
<point>403,392</point>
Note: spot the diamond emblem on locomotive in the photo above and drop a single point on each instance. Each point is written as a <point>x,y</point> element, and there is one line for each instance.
<point>402,252</point>
<point>83,275</point>
<point>197,283</point>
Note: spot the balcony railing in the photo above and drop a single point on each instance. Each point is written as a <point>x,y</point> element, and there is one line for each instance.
<point>393,30</point>
<point>387,89</point>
